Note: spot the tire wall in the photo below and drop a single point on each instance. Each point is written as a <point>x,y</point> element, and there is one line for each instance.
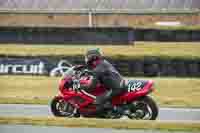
<point>103,36</point>
<point>152,66</point>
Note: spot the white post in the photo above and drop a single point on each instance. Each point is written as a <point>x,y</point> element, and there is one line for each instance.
<point>90,19</point>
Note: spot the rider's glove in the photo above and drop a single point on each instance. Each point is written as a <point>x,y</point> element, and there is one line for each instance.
<point>88,72</point>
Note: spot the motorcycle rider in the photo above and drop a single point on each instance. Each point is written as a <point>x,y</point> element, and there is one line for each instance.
<point>103,72</point>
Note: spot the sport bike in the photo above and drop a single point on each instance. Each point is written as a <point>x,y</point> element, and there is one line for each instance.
<point>73,101</point>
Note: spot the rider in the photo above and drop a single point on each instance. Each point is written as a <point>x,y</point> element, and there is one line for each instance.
<point>106,74</point>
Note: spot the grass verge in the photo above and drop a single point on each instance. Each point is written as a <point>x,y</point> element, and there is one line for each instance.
<point>102,123</point>
<point>182,27</point>
<point>169,92</point>
<point>21,100</point>
<point>140,49</point>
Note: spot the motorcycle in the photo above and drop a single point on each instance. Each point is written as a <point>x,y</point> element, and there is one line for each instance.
<point>73,101</point>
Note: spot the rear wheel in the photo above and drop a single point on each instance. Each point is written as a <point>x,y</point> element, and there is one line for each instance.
<point>61,108</point>
<point>144,108</point>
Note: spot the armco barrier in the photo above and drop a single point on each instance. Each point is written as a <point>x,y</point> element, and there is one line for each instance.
<point>149,66</point>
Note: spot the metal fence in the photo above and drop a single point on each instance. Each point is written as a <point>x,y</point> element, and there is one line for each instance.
<point>99,5</point>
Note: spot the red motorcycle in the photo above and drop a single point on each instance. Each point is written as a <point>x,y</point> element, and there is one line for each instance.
<point>73,101</point>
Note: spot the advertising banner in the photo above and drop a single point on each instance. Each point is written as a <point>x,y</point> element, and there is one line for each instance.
<point>33,66</point>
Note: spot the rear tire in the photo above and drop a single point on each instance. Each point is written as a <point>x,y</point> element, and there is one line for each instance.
<point>146,105</point>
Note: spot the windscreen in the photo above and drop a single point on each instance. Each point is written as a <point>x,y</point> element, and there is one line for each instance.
<point>69,72</point>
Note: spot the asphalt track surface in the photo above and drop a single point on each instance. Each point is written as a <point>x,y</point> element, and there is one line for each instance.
<point>172,114</point>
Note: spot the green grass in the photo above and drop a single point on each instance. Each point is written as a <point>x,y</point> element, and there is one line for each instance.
<point>141,49</point>
<point>181,27</point>
<point>102,123</point>
<point>169,92</point>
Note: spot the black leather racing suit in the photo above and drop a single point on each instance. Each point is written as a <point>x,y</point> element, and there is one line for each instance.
<point>107,75</point>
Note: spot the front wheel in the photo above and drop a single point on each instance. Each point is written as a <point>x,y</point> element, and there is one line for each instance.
<point>144,108</point>
<point>61,108</point>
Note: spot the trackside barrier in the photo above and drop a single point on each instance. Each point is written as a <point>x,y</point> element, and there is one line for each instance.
<point>55,66</point>
<point>100,36</point>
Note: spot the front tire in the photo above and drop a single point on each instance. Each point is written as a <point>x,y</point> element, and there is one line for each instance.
<point>60,108</point>
<point>144,108</point>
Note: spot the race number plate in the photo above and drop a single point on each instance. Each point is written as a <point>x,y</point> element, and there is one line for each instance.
<point>135,85</point>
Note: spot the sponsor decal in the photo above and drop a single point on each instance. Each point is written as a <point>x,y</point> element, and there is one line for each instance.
<point>61,68</point>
